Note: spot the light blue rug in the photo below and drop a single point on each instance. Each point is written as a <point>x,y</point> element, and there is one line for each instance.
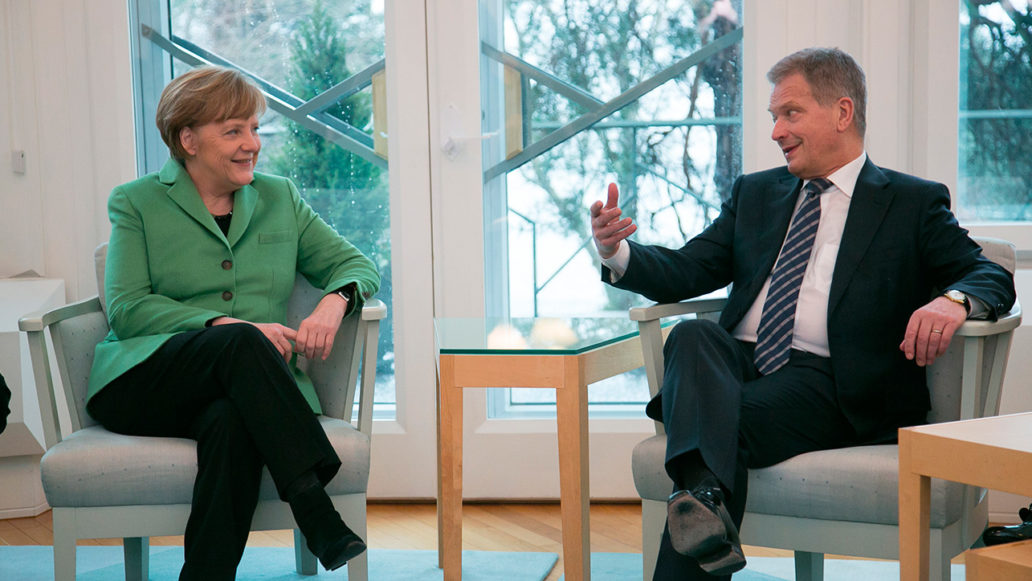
<point>36,563</point>
<point>625,566</point>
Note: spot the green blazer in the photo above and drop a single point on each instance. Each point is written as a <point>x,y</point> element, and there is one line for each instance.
<point>170,269</point>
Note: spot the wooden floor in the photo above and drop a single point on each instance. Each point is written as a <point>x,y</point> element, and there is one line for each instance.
<point>512,527</point>
<point>615,528</point>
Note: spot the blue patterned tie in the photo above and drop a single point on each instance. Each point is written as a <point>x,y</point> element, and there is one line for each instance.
<point>774,336</point>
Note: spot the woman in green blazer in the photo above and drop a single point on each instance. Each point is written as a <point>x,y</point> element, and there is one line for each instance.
<point>200,266</point>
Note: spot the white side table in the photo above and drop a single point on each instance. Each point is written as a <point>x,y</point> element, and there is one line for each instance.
<point>22,443</point>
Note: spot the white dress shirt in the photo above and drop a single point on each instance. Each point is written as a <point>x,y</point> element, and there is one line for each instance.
<point>811,322</point>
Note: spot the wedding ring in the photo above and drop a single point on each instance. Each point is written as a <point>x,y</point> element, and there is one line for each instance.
<point>939,331</point>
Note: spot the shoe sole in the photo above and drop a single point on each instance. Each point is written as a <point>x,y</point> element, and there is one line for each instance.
<point>711,538</point>
<point>695,530</point>
<point>724,562</point>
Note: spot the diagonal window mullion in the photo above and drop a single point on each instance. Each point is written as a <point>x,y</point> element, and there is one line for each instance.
<point>283,102</point>
<point>342,90</point>
<point>568,90</point>
<point>589,119</point>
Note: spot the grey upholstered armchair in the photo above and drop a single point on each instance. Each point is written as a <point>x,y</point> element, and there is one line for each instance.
<point>101,484</point>
<point>844,501</point>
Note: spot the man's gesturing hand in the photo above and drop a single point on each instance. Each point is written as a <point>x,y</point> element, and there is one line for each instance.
<point>606,226</point>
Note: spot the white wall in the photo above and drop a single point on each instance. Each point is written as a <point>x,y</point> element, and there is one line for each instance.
<point>907,98</point>
<point>65,101</point>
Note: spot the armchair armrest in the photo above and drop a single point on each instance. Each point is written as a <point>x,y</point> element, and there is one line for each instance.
<point>47,394</point>
<point>985,350</point>
<point>659,311</point>
<point>34,322</point>
<point>1007,322</point>
<point>373,312</point>
<point>652,333</point>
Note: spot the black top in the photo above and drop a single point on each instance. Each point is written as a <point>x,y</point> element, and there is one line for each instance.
<point>223,222</point>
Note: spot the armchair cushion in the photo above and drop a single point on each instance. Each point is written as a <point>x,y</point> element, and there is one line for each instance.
<point>95,467</point>
<point>855,484</point>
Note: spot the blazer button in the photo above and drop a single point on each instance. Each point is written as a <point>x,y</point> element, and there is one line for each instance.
<point>227,264</point>
<point>227,296</point>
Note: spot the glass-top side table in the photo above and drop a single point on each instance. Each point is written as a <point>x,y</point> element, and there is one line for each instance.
<point>530,335</point>
<point>561,354</point>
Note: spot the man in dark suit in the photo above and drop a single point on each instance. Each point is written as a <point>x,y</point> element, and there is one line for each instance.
<point>825,353</point>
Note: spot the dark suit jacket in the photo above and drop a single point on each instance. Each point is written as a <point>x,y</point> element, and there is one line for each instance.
<point>900,245</point>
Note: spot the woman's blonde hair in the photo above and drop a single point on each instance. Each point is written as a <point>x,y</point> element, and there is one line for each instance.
<point>201,96</point>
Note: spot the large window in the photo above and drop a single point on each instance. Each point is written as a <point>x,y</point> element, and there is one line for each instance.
<point>576,94</point>
<point>321,65</point>
<point>995,132</point>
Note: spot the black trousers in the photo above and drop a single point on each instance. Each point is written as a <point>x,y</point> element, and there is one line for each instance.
<point>715,402</point>
<point>230,390</point>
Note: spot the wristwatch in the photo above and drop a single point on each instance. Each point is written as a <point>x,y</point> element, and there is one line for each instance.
<point>959,298</point>
<point>345,293</point>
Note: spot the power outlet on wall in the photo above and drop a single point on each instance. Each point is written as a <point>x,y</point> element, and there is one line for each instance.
<point>18,161</point>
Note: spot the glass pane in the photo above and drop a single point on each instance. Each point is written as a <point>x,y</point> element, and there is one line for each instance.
<point>995,137</point>
<point>530,336</point>
<point>305,47</point>
<point>550,70</point>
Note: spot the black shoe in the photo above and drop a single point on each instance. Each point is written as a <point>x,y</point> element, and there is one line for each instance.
<point>339,551</point>
<point>1008,534</point>
<point>701,527</point>
<point>328,537</point>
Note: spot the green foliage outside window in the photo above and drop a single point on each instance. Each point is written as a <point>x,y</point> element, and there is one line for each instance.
<point>350,193</point>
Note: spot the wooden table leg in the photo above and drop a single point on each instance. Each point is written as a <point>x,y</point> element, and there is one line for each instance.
<point>572,428</point>
<point>914,509</point>
<point>449,504</point>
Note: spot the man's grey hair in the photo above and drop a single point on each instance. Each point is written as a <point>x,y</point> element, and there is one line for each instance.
<point>831,74</point>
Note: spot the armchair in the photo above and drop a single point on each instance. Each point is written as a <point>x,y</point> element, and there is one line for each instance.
<point>101,484</point>
<point>844,501</point>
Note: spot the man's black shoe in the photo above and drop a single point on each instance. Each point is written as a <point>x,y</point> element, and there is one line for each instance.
<point>701,527</point>
<point>1008,534</point>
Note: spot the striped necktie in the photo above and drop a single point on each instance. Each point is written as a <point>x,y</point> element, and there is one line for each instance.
<point>774,336</point>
